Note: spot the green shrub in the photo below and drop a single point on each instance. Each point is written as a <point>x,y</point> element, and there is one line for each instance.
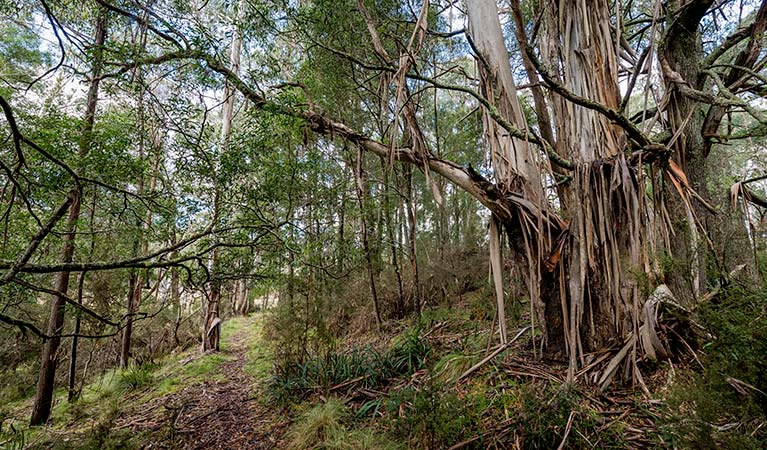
<point>136,377</point>
<point>368,366</point>
<point>432,418</point>
<point>544,415</point>
<point>317,424</point>
<point>328,426</point>
<point>451,366</point>
<point>739,347</point>
<point>724,405</point>
<point>409,352</point>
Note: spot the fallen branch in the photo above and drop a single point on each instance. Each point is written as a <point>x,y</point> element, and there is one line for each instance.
<point>567,430</point>
<point>495,353</point>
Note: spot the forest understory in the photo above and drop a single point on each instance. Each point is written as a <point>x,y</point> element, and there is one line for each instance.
<point>419,383</point>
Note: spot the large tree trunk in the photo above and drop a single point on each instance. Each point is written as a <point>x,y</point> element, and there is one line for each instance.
<point>45,382</point>
<point>514,161</point>
<point>580,281</point>
<point>697,124</point>
<point>607,229</point>
<point>683,50</point>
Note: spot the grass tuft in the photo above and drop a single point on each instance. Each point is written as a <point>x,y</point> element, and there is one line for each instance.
<point>136,377</point>
<point>325,427</point>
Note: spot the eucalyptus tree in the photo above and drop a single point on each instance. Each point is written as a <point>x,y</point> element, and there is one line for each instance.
<point>211,325</point>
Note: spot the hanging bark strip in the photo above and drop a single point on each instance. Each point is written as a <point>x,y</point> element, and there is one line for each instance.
<point>496,268</point>
<point>514,163</point>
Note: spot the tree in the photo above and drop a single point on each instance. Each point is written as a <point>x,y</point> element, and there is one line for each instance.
<point>44,394</point>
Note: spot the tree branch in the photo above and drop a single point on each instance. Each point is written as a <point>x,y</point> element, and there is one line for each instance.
<point>624,122</point>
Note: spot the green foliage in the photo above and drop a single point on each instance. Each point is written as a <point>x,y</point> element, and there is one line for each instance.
<point>452,366</point>
<point>136,377</point>
<point>327,426</point>
<point>433,417</point>
<point>542,419</point>
<point>24,374</point>
<point>178,374</point>
<point>102,436</point>
<point>410,352</point>
<point>736,321</point>
<point>20,55</point>
<point>366,366</point>
<point>704,405</point>
<point>543,412</point>
<point>12,439</point>
<point>316,424</point>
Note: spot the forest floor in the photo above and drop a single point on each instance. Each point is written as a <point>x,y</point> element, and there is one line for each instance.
<point>187,401</point>
<point>225,412</point>
<point>407,386</point>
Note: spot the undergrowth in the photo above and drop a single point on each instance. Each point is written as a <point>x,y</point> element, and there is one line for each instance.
<point>136,377</point>
<point>432,417</point>
<point>724,403</point>
<point>367,367</point>
<point>330,426</point>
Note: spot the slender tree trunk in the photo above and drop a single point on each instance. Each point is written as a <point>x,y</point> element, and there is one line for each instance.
<point>41,409</point>
<point>212,322</point>
<point>362,195</point>
<point>393,243</point>
<point>175,293</point>
<point>72,392</point>
<point>134,288</point>
<point>341,246</point>
<point>455,201</point>
<point>138,277</point>
<point>412,235</point>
